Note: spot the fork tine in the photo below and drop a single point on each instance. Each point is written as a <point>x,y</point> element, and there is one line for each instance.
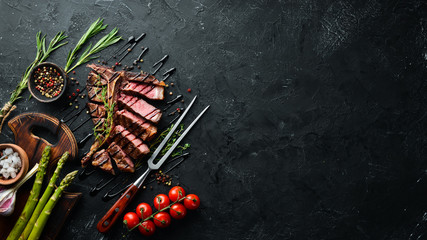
<point>169,152</point>
<point>165,140</point>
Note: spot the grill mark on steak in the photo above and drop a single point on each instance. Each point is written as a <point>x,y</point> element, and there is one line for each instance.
<point>130,144</point>
<point>141,127</point>
<point>102,160</point>
<point>96,110</point>
<point>143,109</point>
<point>123,162</point>
<point>144,90</point>
<point>107,72</point>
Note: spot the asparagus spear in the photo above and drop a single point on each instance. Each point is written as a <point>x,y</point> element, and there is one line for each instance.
<point>33,198</point>
<point>44,215</point>
<point>43,200</point>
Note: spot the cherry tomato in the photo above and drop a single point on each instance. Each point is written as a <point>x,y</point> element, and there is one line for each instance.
<point>176,193</point>
<point>147,228</point>
<point>178,211</point>
<point>191,201</point>
<point>130,220</point>
<point>161,201</point>
<point>145,209</point>
<point>162,219</point>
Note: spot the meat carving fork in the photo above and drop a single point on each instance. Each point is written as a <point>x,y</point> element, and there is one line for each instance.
<point>117,209</point>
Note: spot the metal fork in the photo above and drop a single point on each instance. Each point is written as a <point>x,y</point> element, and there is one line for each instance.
<point>117,209</point>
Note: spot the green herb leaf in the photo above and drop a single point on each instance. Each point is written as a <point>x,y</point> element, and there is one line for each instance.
<point>109,39</point>
<point>95,28</point>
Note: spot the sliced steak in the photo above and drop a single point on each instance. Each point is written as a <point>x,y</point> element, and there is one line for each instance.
<point>104,71</point>
<point>140,107</point>
<point>142,128</point>
<point>96,110</point>
<point>123,162</point>
<point>107,73</point>
<point>98,121</point>
<point>95,79</point>
<point>130,144</point>
<point>102,160</point>
<point>144,90</point>
<point>94,94</point>
<point>86,159</point>
<point>142,77</point>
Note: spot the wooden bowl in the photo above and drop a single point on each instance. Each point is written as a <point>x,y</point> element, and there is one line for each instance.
<point>32,85</point>
<point>24,163</point>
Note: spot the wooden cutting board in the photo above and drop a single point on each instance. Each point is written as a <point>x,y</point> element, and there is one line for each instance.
<point>23,127</point>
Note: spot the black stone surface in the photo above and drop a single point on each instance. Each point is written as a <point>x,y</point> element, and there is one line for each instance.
<point>317,121</point>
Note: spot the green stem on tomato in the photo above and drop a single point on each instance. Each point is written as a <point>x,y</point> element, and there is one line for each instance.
<point>161,210</point>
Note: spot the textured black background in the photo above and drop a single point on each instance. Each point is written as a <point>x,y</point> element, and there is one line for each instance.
<point>317,121</point>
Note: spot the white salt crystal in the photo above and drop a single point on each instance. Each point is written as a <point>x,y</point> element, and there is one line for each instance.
<point>8,151</point>
<point>12,174</point>
<point>6,175</point>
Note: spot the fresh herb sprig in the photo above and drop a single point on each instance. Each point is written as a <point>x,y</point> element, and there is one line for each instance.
<point>103,129</point>
<point>41,55</point>
<point>95,28</point>
<point>155,143</point>
<point>109,39</point>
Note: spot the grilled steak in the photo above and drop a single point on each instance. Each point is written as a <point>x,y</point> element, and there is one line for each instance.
<point>123,162</point>
<point>107,73</point>
<point>140,107</point>
<point>138,126</point>
<point>130,144</point>
<point>144,90</point>
<point>102,160</point>
<point>96,110</point>
<point>133,117</point>
<point>94,93</point>
<point>95,79</point>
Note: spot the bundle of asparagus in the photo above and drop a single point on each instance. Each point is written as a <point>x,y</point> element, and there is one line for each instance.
<point>36,212</point>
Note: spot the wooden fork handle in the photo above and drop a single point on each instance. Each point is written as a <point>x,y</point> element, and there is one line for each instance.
<point>117,209</point>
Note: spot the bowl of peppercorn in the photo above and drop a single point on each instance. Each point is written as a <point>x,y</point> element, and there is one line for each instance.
<point>47,82</point>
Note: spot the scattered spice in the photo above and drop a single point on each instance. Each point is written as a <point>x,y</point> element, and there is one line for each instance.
<point>48,81</point>
<point>163,178</point>
<point>189,90</point>
<point>170,93</point>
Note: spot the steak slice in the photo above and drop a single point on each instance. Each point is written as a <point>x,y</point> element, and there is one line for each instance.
<point>102,160</point>
<point>123,162</point>
<point>140,107</point>
<point>104,71</point>
<point>107,73</point>
<point>96,110</point>
<point>142,77</point>
<point>142,128</point>
<point>144,90</point>
<point>94,93</point>
<point>130,144</point>
<point>95,79</point>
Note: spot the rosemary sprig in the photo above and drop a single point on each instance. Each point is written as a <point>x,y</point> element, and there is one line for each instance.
<point>41,55</point>
<point>104,42</point>
<point>95,28</point>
